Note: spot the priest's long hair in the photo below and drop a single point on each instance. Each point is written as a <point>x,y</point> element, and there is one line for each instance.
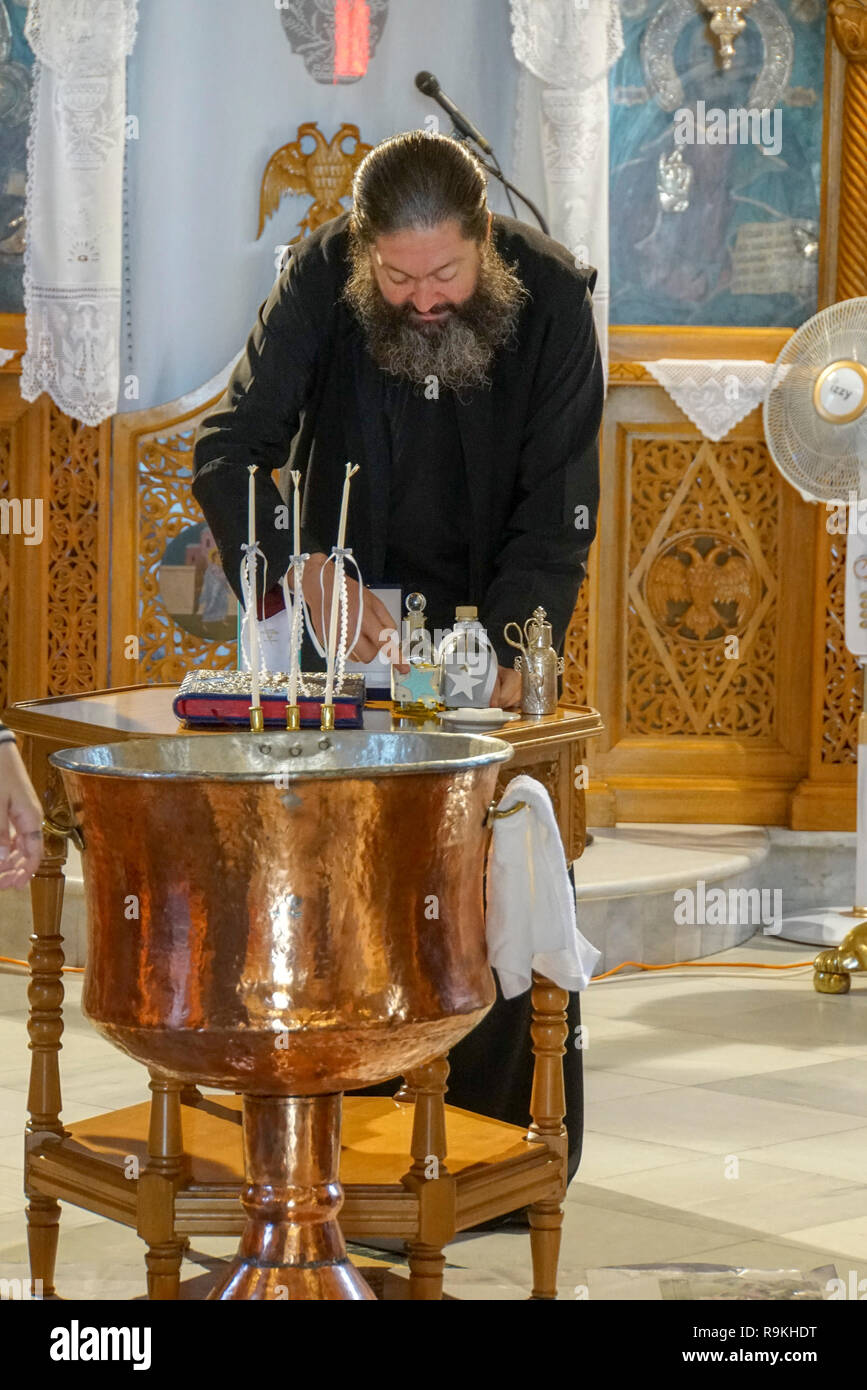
<point>419,180</point>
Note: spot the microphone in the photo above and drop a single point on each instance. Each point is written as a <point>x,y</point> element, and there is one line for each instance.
<point>427,83</point>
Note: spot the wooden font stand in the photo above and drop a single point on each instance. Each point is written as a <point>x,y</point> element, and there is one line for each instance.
<point>463,1168</point>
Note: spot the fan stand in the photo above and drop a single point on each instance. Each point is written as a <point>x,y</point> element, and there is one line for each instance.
<point>843,930</point>
<point>815,450</point>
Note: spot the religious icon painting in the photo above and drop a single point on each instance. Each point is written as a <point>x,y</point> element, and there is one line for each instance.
<point>716,169</point>
<point>16,64</point>
<point>193,588</point>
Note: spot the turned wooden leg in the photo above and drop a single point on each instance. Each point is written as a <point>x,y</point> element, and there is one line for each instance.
<point>429,1178</point>
<point>43,1230</point>
<point>166,1170</point>
<point>45,1027</point>
<point>427,1265</point>
<point>546,1226</point>
<point>549,1031</point>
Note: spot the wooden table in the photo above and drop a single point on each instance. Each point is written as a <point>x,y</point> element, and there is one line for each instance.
<point>549,748</point>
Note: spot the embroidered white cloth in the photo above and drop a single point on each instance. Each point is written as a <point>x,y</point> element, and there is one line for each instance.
<point>714,394</point>
<point>74,203</point>
<point>530,901</point>
<point>565,48</point>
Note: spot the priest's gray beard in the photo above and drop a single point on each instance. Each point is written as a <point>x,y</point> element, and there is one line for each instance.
<point>457,351</point>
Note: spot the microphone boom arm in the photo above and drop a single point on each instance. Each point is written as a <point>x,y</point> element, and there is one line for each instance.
<point>466,131</point>
<point>498,174</point>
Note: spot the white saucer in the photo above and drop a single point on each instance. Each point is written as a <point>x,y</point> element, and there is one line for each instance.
<point>470,718</point>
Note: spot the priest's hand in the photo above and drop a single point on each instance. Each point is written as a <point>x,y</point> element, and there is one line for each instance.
<point>20,812</point>
<point>378,634</point>
<point>507,690</point>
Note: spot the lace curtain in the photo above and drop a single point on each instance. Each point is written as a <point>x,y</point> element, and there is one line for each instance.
<point>75,155</point>
<point>566,48</point>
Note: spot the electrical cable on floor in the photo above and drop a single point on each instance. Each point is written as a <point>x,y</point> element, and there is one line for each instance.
<point>702,965</point>
<point>65,969</point>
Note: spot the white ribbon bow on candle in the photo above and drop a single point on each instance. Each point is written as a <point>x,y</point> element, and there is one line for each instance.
<point>338,557</point>
<point>299,615</point>
<point>335,660</point>
<point>248,591</point>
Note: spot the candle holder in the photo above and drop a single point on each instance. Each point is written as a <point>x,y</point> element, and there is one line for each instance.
<point>257,719</point>
<point>326,722</point>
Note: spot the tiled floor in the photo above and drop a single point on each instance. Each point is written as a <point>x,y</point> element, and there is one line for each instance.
<point>726,1123</point>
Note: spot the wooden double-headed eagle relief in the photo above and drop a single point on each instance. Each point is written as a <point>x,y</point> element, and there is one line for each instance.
<point>701,587</point>
<point>324,172</point>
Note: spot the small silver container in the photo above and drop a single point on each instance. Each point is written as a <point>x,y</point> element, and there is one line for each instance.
<point>539,664</point>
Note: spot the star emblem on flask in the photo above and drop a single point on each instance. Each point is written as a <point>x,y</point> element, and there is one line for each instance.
<point>415,686</point>
<point>462,682</point>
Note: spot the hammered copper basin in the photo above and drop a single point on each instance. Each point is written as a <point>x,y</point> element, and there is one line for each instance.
<point>285,913</point>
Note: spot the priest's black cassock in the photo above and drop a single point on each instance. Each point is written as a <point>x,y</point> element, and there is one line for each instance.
<point>485,497</point>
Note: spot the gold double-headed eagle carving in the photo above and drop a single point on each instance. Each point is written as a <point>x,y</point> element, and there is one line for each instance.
<point>693,580</point>
<point>324,172</point>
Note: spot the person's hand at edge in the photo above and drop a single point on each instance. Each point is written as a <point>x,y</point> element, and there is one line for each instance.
<point>20,820</point>
<point>506,693</point>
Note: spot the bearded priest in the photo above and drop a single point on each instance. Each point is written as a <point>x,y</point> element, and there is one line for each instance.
<point>451,353</point>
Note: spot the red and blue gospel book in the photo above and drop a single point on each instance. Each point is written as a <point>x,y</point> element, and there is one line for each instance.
<point>224,697</point>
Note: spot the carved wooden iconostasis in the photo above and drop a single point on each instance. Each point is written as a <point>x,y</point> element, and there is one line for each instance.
<point>768,736</point>
<point>698,542</point>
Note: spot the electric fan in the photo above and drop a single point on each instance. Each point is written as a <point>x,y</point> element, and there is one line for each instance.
<point>815,417</point>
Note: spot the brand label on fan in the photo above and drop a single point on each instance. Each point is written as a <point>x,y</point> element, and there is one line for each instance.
<point>841,391</point>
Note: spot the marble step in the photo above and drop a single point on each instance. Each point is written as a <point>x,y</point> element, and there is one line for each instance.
<point>650,892</point>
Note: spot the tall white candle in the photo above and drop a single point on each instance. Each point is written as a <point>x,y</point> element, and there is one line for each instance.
<point>296,513</point>
<point>253,616</point>
<point>351,470</point>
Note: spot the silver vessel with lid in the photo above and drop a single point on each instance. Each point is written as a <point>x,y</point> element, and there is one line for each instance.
<point>538,663</point>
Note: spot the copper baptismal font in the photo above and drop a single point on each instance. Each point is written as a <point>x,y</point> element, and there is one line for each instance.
<point>288,916</point>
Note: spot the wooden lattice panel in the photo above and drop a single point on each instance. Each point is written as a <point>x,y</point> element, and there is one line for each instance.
<point>166,508</point>
<point>703,560</point>
<point>73,534</point>
<point>841,703</point>
<point>576,649</point>
<point>5,490</point>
